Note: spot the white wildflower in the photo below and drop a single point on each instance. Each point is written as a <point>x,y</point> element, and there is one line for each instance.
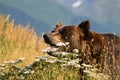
<point>91,74</point>
<point>72,62</point>
<point>45,50</point>
<point>52,57</point>
<point>87,71</point>
<point>50,49</point>
<point>26,72</point>
<point>67,43</point>
<point>51,61</point>
<point>12,62</point>
<point>87,66</point>
<point>22,77</point>
<point>76,50</point>
<point>103,76</point>
<point>37,60</point>
<point>57,53</point>
<point>32,71</point>
<point>2,68</point>
<point>77,60</point>
<point>60,44</point>
<point>22,59</point>
<point>77,65</point>
<point>6,62</point>
<point>94,69</point>
<point>2,74</point>
<point>2,65</point>
<point>43,58</point>
<point>65,53</point>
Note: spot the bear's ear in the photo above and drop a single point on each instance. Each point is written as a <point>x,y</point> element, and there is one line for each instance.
<point>58,25</point>
<point>85,26</point>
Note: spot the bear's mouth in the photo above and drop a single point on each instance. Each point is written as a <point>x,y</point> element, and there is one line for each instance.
<point>59,47</point>
<point>52,48</point>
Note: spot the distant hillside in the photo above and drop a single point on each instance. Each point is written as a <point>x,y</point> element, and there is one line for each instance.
<point>43,14</point>
<point>46,10</point>
<point>24,19</point>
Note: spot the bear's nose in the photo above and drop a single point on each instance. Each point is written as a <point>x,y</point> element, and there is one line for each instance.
<point>45,36</point>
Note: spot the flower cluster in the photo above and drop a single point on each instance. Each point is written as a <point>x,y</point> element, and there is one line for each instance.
<point>11,63</point>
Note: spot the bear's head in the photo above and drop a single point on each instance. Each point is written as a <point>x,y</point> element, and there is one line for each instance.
<point>76,35</point>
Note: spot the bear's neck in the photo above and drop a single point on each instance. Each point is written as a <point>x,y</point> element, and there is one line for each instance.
<point>95,43</point>
<point>94,38</point>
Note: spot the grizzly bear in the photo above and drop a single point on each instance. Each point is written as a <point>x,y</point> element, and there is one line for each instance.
<point>95,48</point>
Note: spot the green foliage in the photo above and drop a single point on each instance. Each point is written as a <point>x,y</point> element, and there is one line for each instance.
<point>41,70</point>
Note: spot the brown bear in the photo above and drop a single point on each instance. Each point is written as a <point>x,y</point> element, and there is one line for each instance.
<point>95,48</point>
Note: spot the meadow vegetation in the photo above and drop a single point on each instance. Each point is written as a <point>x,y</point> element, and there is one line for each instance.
<point>22,57</point>
<point>18,41</point>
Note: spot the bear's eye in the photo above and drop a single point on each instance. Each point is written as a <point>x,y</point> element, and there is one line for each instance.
<point>64,35</point>
<point>52,31</point>
<point>61,32</point>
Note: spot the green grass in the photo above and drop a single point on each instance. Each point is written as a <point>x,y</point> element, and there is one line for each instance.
<point>41,70</point>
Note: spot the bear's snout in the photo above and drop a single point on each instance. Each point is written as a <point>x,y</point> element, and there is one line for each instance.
<point>46,38</point>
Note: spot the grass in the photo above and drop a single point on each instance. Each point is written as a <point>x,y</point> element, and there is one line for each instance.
<point>21,57</point>
<point>18,41</point>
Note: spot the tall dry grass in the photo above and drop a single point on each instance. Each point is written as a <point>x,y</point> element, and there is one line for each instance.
<point>18,41</point>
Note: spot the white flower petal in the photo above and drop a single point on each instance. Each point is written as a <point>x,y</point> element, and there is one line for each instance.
<point>67,43</point>
<point>76,50</point>
<point>37,60</point>
<point>22,59</point>
<point>60,44</point>
<point>2,65</point>
<point>12,62</point>
<point>2,74</point>
<point>65,53</point>
<point>6,62</point>
<point>51,61</point>
<point>85,65</point>
<point>50,49</point>
<point>2,68</point>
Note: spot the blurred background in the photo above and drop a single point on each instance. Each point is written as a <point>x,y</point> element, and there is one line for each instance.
<point>104,15</point>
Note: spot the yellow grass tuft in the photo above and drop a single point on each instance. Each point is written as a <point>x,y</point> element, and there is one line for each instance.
<point>18,41</point>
